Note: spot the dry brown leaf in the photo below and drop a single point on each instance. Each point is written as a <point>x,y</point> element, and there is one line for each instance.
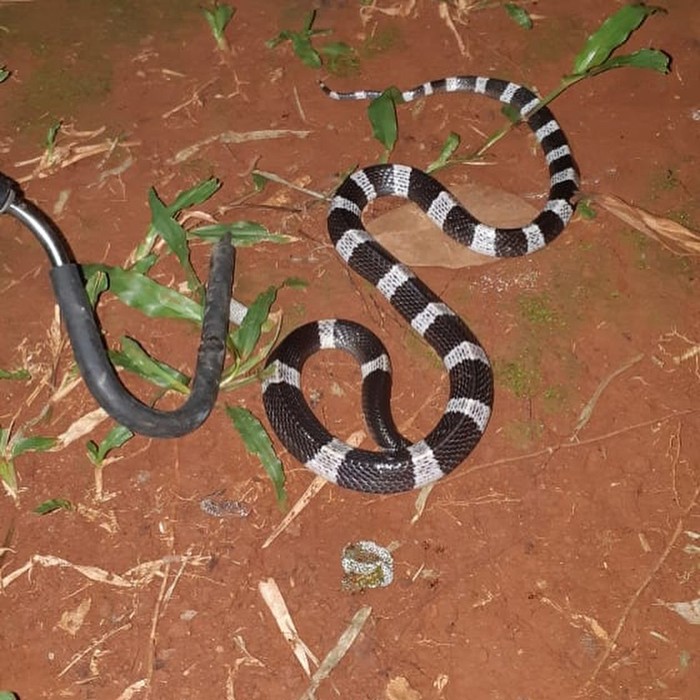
<point>413,238</point>
<point>400,689</point>
<point>72,620</point>
<point>674,236</point>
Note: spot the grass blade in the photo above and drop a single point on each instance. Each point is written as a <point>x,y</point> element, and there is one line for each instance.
<point>134,358</point>
<point>146,295</point>
<point>16,374</point>
<point>448,148</point>
<point>196,195</point>
<point>19,445</point>
<point>115,438</point>
<point>51,506</point>
<point>243,233</point>
<point>258,444</point>
<point>175,236</point>
<point>246,337</point>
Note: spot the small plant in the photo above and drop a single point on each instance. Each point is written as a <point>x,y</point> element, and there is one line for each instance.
<point>519,15</point>
<point>51,506</point>
<point>595,58</point>
<point>11,447</point>
<point>133,285</point>
<point>97,452</point>
<point>218,19</point>
<point>15,374</point>
<point>51,136</point>
<point>337,55</point>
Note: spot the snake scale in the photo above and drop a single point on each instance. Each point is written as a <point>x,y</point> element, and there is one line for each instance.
<point>400,465</point>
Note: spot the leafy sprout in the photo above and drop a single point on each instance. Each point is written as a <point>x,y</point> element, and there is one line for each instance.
<point>337,54</point>
<point>519,15</point>
<point>218,19</point>
<point>134,286</point>
<point>595,58</point>
<point>13,446</point>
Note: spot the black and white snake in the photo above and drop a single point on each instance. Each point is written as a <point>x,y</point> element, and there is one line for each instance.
<point>401,465</point>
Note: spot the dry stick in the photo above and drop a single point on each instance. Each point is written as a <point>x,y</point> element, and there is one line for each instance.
<point>271,594</point>
<point>588,409</point>
<point>132,689</point>
<point>281,181</point>
<point>92,647</point>
<point>150,661</point>
<point>635,597</point>
<point>335,655</point>
<point>193,98</point>
<point>314,487</point>
<point>567,445</point>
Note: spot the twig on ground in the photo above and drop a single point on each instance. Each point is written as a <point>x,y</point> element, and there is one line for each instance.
<point>194,98</point>
<point>335,655</point>
<point>235,137</point>
<point>552,449</point>
<point>314,487</point>
<point>641,588</point>
<point>588,409</point>
<point>271,594</point>
<point>94,645</point>
<point>281,181</point>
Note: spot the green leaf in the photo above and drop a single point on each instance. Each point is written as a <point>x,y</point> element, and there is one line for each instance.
<point>9,475</point>
<point>52,135</point>
<point>134,358</point>
<point>511,113</point>
<point>259,182</point>
<point>448,148</point>
<point>114,439</point>
<point>16,374</point>
<point>196,195</point>
<point>175,236</point>
<point>382,117</point>
<point>301,44</point>
<point>295,283</point>
<point>519,15</point>
<point>243,233</point>
<point>19,445</point>
<point>586,210</point>
<point>650,59</point>
<point>245,337</point>
<point>612,33</point>
<point>51,506</point>
<point>218,18</point>
<point>7,695</point>
<point>258,444</point>
<point>144,264</point>
<point>146,295</point>
<point>283,36</point>
<point>4,75</point>
<point>95,285</point>
<point>4,439</point>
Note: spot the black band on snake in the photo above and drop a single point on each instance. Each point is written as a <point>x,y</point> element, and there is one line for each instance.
<point>400,465</point>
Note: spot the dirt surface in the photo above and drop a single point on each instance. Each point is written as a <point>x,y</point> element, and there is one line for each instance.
<point>549,565</point>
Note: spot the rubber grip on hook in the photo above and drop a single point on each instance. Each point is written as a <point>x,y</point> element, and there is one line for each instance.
<point>100,376</point>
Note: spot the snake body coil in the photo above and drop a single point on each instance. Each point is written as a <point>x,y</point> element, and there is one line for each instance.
<point>401,465</point>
